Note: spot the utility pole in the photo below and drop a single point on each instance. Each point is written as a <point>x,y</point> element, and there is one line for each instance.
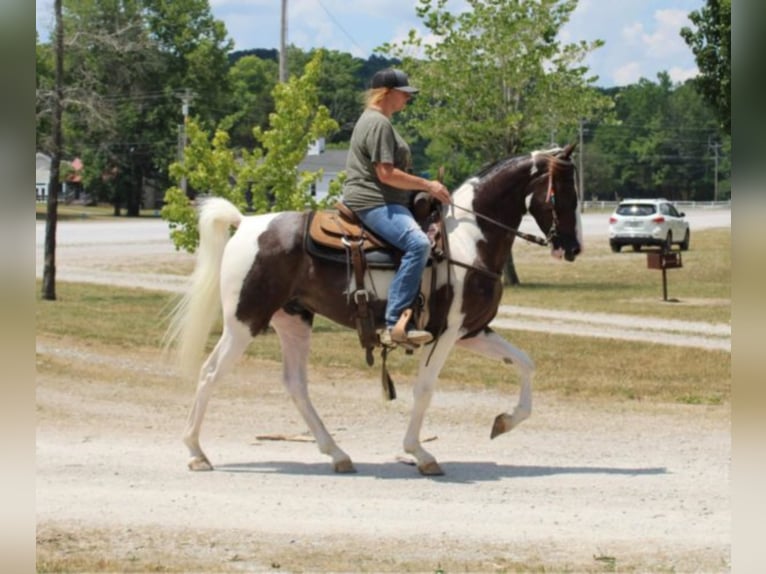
<point>54,182</point>
<point>186,98</point>
<point>283,45</point>
<point>581,183</point>
<point>715,147</point>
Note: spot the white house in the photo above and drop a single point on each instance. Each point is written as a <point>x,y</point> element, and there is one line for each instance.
<point>69,188</point>
<point>332,161</point>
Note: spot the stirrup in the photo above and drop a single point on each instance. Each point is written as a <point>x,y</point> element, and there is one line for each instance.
<point>411,339</point>
<point>401,334</point>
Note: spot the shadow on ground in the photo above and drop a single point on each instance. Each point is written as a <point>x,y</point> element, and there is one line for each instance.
<point>455,472</point>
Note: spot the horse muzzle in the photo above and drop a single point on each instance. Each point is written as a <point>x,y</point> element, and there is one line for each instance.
<point>566,247</point>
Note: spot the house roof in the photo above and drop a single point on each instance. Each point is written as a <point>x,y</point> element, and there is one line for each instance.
<point>331,160</point>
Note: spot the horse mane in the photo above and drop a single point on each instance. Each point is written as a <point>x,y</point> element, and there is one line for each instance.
<point>555,163</point>
<point>492,167</point>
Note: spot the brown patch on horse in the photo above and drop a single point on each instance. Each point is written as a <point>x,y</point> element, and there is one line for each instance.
<point>279,265</point>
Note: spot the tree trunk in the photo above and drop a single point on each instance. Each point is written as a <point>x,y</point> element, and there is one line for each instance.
<point>509,276</point>
<point>54,183</point>
<point>134,192</point>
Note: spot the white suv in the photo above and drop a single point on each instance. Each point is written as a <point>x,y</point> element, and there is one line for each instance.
<point>638,222</point>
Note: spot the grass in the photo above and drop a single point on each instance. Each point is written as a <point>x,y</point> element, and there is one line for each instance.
<point>599,281</point>
<point>88,212</point>
<point>606,282</point>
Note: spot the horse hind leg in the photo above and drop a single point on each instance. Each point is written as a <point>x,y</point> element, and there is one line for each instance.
<point>492,345</point>
<point>227,351</point>
<point>294,333</point>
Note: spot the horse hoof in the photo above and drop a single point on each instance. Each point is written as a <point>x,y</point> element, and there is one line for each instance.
<point>431,469</point>
<point>200,463</point>
<point>499,427</point>
<point>344,467</point>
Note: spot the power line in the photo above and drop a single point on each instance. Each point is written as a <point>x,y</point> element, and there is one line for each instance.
<point>342,29</point>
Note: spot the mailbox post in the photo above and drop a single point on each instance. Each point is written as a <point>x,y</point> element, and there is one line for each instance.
<point>664,260</point>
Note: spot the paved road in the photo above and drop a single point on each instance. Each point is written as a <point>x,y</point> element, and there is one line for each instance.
<point>87,251</point>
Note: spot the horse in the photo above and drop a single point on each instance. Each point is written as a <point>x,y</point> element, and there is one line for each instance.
<point>262,275</point>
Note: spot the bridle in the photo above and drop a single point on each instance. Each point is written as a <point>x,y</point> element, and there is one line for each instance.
<point>550,197</point>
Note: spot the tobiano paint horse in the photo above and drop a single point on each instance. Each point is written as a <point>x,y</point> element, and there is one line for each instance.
<point>262,275</point>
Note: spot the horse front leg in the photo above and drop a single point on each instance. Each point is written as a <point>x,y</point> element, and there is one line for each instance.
<point>295,338</point>
<point>423,389</point>
<point>492,345</point>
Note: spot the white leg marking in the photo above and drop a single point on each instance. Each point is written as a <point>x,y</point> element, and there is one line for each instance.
<point>422,391</point>
<point>295,338</point>
<point>494,346</point>
<point>228,350</point>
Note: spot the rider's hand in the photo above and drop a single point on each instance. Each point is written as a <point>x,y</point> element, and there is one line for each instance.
<point>436,189</point>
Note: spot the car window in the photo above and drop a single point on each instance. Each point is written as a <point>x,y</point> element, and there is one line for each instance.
<point>665,209</point>
<point>635,209</point>
<point>672,211</point>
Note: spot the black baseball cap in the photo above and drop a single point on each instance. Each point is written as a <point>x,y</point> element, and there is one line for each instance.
<point>394,79</point>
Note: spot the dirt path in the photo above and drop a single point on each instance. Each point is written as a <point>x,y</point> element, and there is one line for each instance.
<point>576,488</point>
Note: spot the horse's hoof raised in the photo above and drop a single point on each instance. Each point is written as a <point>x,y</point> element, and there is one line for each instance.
<point>431,469</point>
<point>200,463</point>
<point>499,426</point>
<point>344,467</point>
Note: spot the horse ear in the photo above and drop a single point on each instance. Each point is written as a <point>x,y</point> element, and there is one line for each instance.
<point>568,150</point>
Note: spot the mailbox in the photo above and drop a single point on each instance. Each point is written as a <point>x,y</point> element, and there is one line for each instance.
<point>663,260</point>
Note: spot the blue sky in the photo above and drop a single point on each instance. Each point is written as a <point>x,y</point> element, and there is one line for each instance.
<point>641,36</point>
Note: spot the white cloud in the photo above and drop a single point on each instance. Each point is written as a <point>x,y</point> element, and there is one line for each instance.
<point>633,33</point>
<point>626,74</point>
<point>666,38</point>
<point>679,75</point>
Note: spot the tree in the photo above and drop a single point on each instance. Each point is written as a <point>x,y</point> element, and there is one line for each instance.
<point>126,62</point>
<point>497,81</point>
<point>251,82</point>
<point>659,143</point>
<point>710,41</point>
<point>269,174</point>
<point>54,185</point>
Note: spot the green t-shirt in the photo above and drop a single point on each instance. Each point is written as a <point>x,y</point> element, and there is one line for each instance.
<point>374,140</point>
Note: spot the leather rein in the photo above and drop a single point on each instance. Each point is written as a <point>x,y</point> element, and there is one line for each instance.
<point>549,198</point>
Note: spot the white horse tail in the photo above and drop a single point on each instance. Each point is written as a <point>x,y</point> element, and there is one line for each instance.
<point>191,320</point>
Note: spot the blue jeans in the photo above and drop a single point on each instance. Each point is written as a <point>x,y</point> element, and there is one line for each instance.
<point>396,224</point>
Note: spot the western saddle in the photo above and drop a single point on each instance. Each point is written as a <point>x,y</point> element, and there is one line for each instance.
<point>338,235</point>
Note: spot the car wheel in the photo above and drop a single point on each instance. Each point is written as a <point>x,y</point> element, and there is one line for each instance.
<point>685,242</point>
<point>668,241</point>
<point>636,247</point>
<point>615,246</point>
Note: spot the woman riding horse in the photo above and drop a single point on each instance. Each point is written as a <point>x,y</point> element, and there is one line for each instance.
<point>379,189</point>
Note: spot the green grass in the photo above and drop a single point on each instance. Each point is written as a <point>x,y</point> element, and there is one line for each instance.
<point>87,212</point>
<point>606,282</point>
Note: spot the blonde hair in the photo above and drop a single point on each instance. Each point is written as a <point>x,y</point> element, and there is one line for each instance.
<point>374,96</point>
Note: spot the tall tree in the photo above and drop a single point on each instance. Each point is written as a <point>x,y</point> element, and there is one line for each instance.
<point>659,143</point>
<point>710,41</point>
<point>251,82</point>
<point>496,81</point>
<point>127,60</point>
